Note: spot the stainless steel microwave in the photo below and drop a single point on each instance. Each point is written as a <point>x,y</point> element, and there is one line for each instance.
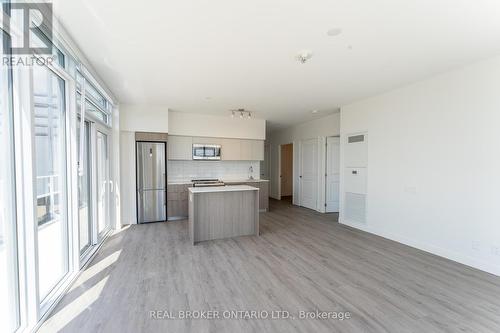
<point>206,152</point>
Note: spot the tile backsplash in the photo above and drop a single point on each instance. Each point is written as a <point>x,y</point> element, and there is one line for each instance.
<point>187,170</point>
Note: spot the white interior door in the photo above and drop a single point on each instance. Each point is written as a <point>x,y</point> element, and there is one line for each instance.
<point>309,173</point>
<point>332,174</point>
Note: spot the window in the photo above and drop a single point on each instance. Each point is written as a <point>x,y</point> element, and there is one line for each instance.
<point>93,111</point>
<point>39,39</point>
<point>95,96</point>
<point>9,278</point>
<point>37,255</point>
<point>50,164</point>
<point>97,106</point>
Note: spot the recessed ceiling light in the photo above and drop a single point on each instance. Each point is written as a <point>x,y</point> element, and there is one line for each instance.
<point>314,111</point>
<point>334,32</point>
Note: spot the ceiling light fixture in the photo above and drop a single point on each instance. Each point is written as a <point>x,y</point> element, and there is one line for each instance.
<point>303,56</point>
<point>244,114</point>
<point>314,111</point>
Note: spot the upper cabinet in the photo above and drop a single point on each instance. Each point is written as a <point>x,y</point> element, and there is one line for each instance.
<point>230,150</point>
<point>251,150</point>
<point>246,150</point>
<point>207,141</point>
<point>180,148</point>
<point>257,150</point>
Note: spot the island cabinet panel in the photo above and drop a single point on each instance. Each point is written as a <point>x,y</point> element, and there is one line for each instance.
<point>177,201</point>
<point>263,187</point>
<point>223,213</point>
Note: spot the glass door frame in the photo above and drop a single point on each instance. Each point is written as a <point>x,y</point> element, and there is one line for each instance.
<point>105,130</point>
<point>87,252</point>
<point>70,198</point>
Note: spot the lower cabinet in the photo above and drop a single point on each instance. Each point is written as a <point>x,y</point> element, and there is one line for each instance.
<point>177,201</point>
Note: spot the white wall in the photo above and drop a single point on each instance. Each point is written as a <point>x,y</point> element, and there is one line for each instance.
<point>127,179</point>
<point>318,128</point>
<point>193,124</point>
<point>433,164</point>
<point>144,118</point>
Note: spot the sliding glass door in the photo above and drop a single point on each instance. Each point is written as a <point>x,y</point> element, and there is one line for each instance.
<point>51,181</point>
<point>84,187</point>
<point>102,182</point>
<point>9,286</point>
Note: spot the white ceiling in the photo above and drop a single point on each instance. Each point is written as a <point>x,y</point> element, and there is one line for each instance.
<point>209,56</point>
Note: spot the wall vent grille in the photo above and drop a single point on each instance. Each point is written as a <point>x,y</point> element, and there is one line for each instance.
<point>356,138</point>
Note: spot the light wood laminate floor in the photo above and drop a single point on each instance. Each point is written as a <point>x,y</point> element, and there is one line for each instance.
<point>303,260</point>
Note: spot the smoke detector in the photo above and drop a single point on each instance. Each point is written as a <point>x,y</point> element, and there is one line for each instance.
<point>303,56</point>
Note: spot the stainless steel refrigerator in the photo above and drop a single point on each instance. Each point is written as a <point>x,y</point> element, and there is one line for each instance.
<point>151,182</point>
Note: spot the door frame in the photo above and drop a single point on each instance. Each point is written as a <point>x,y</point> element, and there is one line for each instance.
<point>91,171</point>
<point>318,172</point>
<point>136,182</point>
<point>293,169</point>
<point>326,171</point>
<point>98,127</point>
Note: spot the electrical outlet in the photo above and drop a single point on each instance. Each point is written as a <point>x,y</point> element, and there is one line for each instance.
<point>475,245</point>
<point>495,250</point>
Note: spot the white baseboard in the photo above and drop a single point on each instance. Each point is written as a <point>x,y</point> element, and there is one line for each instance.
<point>439,251</point>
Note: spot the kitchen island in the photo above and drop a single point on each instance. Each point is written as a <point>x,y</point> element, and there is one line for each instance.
<point>223,212</point>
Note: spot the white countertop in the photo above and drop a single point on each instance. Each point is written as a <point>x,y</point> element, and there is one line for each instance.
<point>229,181</point>
<point>227,188</point>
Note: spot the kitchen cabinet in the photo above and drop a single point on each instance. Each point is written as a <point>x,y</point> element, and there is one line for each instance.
<point>230,150</point>
<point>180,147</point>
<point>206,140</point>
<point>257,150</point>
<point>246,150</point>
<point>177,201</point>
